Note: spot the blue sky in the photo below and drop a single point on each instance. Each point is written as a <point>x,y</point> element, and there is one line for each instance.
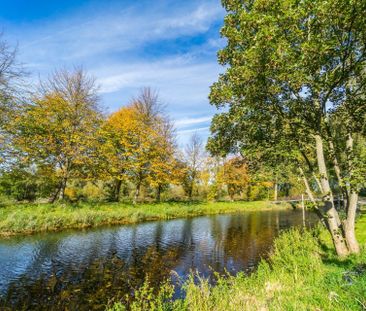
<point>168,45</point>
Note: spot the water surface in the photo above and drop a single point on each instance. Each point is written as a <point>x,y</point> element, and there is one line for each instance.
<point>84,270</point>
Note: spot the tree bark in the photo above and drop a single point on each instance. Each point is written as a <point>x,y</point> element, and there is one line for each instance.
<point>117,190</point>
<point>276,190</point>
<point>61,193</point>
<point>249,191</point>
<point>190,191</point>
<point>318,182</point>
<point>312,198</point>
<point>307,187</point>
<point>332,219</point>
<point>55,195</point>
<point>337,170</point>
<point>137,193</point>
<point>349,224</point>
<point>158,193</point>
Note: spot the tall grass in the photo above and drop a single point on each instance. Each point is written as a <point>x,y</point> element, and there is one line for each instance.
<point>30,218</point>
<point>301,274</point>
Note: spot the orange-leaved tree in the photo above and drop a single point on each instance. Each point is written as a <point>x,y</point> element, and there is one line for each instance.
<point>134,150</point>
<point>234,174</point>
<point>124,141</point>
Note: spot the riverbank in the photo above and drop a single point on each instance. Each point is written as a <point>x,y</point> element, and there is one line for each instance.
<point>303,273</point>
<point>32,218</point>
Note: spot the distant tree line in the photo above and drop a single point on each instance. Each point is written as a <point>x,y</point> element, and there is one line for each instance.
<point>57,144</point>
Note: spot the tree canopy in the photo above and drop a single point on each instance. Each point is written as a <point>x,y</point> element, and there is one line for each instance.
<point>294,85</point>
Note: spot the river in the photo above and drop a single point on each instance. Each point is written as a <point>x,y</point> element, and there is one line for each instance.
<point>84,270</point>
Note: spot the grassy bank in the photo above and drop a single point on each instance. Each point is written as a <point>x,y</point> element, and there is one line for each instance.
<point>302,273</point>
<point>31,218</point>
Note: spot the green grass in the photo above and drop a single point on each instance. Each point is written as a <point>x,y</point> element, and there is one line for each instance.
<point>303,273</point>
<point>31,218</point>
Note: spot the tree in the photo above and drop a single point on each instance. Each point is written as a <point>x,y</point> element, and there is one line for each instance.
<point>149,106</point>
<point>139,148</point>
<point>118,136</point>
<point>58,129</point>
<point>294,70</point>
<point>26,183</point>
<point>234,175</point>
<point>164,168</point>
<point>128,148</point>
<point>193,158</point>
<point>11,81</point>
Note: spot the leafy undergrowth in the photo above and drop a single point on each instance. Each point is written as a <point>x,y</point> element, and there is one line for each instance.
<point>302,273</point>
<point>31,218</point>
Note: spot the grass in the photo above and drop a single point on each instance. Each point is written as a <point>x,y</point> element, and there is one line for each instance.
<point>31,218</point>
<point>303,273</point>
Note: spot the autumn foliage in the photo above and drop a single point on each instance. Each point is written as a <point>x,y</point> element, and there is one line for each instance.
<point>62,146</point>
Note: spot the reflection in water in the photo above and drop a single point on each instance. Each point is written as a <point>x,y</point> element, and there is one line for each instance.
<point>85,270</point>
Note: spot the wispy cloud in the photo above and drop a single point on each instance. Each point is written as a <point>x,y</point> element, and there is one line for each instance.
<point>168,45</point>
<point>192,121</point>
<point>79,37</point>
<point>200,129</point>
<point>182,84</point>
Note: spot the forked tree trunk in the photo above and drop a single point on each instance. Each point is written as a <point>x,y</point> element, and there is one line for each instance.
<point>54,196</point>
<point>333,221</point>
<point>60,192</point>
<point>61,195</point>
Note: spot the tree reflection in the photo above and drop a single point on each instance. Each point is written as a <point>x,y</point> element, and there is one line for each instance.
<point>89,270</point>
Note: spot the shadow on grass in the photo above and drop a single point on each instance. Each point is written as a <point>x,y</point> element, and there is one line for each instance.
<point>353,265</point>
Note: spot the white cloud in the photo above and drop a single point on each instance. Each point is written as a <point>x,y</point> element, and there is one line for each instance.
<point>190,131</point>
<point>173,72</point>
<point>75,38</point>
<point>113,44</point>
<point>191,121</point>
<point>182,85</point>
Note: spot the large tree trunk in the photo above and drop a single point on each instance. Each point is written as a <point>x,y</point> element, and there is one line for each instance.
<point>349,224</point>
<point>332,219</point>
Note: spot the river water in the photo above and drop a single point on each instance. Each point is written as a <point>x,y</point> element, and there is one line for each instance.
<point>84,270</point>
